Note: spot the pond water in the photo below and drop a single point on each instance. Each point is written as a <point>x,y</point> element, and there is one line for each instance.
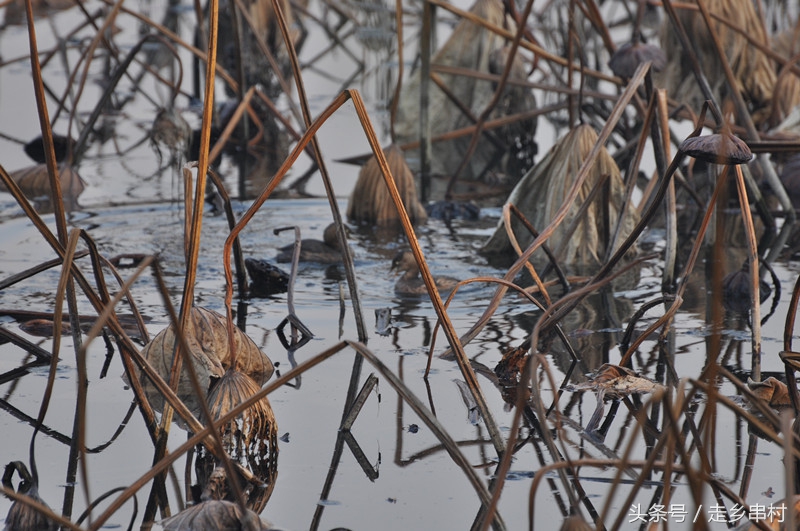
<point>406,479</point>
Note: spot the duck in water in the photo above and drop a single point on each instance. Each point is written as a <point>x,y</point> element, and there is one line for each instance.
<point>411,283</point>
<point>327,251</point>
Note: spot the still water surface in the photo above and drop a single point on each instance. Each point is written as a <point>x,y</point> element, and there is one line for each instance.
<point>411,483</point>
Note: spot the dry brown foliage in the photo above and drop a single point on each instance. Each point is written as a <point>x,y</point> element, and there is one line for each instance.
<point>618,381</point>
<point>477,49</point>
<point>753,70</point>
<point>371,202</point>
<point>541,193</point>
<point>35,182</point>
<point>207,338</point>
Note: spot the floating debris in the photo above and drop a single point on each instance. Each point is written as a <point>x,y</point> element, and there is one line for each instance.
<point>616,381</point>
<point>772,391</point>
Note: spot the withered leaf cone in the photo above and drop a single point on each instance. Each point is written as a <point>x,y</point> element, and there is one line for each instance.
<point>21,516</point>
<point>253,433</point>
<point>541,193</point>
<point>370,201</point>
<point>739,26</point>
<point>214,515</point>
<point>207,339</point>
<point>251,438</point>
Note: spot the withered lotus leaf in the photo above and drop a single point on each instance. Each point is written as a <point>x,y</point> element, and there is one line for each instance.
<point>207,339</point>
<point>254,431</point>
<point>35,182</point>
<point>214,515</point>
<point>718,148</point>
<point>618,381</point>
<point>772,391</point>
<point>250,439</point>
<point>370,201</point>
<point>582,239</point>
<point>21,516</point>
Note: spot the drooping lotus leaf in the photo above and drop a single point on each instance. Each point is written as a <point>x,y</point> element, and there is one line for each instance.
<point>250,439</point>
<point>34,182</point>
<point>209,353</point>
<point>214,515</point>
<point>370,201</point>
<point>578,241</point>
<point>772,391</point>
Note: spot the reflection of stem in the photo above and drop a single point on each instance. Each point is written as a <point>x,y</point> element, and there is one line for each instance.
<point>339,446</point>
<point>752,448</point>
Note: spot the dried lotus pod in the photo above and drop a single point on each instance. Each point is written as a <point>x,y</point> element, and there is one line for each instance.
<point>772,391</point>
<point>207,339</point>
<point>718,148</point>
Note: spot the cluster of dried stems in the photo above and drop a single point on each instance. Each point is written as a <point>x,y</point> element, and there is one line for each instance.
<point>681,447</point>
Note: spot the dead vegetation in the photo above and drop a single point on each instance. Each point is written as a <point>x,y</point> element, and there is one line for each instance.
<point>582,209</point>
